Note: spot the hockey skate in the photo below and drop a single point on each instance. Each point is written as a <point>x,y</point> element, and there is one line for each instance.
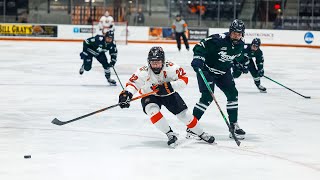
<point>172,139</point>
<point>238,132</point>
<point>81,70</point>
<point>207,138</point>
<point>112,82</point>
<point>261,88</point>
<point>192,135</point>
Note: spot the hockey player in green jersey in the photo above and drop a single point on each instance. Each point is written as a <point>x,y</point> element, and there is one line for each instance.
<point>256,68</point>
<point>214,55</point>
<point>97,47</point>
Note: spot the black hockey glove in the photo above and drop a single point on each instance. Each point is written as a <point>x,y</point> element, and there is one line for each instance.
<point>125,98</point>
<point>245,69</point>
<point>112,63</point>
<point>197,64</point>
<point>84,55</point>
<point>163,89</point>
<point>260,72</point>
<point>241,67</point>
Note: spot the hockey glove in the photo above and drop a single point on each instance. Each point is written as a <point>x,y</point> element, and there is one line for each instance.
<point>84,55</point>
<point>245,69</point>
<point>260,72</point>
<point>197,64</point>
<point>241,67</point>
<point>111,64</point>
<point>124,99</point>
<point>163,89</point>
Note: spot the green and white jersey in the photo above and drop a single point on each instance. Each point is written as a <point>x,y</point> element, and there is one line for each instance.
<point>97,44</point>
<point>218,52</point>
<point>249,55</point>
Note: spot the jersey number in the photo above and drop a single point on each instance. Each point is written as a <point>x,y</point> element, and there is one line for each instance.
<point>181,72</point>
<point>133,78</point>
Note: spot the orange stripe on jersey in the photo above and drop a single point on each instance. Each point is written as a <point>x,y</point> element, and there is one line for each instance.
<point>184,78</point>
<point>130,84</point>
<point>185,25</point>
<point>193,123</point>
<point>155,118</point>
<point>140,91</point>
<point>173,26</point>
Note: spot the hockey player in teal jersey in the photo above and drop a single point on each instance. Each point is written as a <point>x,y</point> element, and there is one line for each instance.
<point>214,55</point>
<point>255,67</point>
<point>96,47</point>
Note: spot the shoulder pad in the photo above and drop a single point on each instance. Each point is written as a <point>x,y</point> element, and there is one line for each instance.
<point>217,37</point>
<point>91,39</point>
<point>99,37</point>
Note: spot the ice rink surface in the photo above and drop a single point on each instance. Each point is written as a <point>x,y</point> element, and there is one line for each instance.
<point>39,81</point>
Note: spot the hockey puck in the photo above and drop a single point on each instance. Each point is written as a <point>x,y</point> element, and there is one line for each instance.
<point>27,156</point>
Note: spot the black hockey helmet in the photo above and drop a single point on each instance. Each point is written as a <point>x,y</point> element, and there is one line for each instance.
<point>237,26</point>
<point>156,53</point>
<point>256,42</point>
<point>109,34</point>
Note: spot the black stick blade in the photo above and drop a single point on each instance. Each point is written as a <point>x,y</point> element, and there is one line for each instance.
<point>57,122</point>
<point>308,97</point>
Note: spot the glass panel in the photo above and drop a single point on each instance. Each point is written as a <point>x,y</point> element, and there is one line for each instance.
<point>269,14</point>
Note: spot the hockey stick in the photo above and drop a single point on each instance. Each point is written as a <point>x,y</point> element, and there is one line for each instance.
<point>60,123</point>
<point>215,100</point>
<point>117,76</point>
<point>308,97</point>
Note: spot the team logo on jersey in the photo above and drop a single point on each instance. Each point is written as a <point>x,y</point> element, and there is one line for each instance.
<point>308,37</point>
<point>225,57</point>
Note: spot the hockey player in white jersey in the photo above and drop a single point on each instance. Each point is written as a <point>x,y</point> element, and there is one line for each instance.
<point>106,23</point>
<point>165,78</point>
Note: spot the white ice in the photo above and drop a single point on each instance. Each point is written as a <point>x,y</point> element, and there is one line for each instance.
<point>39,81</point>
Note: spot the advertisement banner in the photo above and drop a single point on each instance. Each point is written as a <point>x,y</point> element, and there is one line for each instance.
<point>160,33</point>
<point>28,30</point>
<point>88,30</point>
<point>197,34</point>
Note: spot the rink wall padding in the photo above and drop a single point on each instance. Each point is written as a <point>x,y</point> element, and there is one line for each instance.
<point>152,35</point>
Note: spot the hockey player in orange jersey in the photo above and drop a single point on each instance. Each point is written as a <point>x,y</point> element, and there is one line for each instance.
<point>165,78</point>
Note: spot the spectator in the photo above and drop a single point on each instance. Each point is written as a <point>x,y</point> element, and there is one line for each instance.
<point>23,18</point>
<point>193,8</point>
<point>139,18</point>
<point>89,20</point>
<point>277,24</point>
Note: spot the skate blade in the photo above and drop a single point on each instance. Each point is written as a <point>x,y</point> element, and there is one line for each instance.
<point>112,84</point>
<point>263,91</point>
<point>189,136</point>
<point>240,137</point>
<point>174,145</point>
